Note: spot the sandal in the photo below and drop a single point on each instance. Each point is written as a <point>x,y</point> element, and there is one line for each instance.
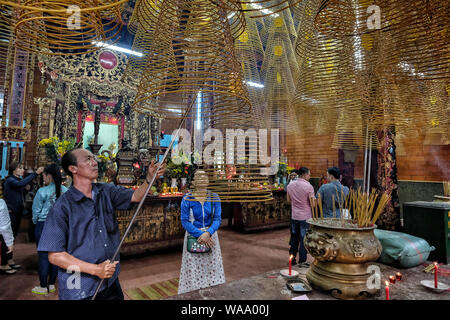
<point>8,271</point>
<point>14,265</point>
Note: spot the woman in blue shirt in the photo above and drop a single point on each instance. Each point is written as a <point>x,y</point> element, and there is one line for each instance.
<point>201,218</point>
<point>42,203</point>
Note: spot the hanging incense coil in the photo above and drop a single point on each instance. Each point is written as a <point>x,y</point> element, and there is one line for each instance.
<point>193,53</point>
<point>421,36</point>
<point>288,22</point>
<point>278,39</point>
<point>259,8</point>
<point>235,184</point>
<point>361,74</point>
<point>59,28</point>
<point>326,84</point>
<point>250,53</point>
<point>279,69</point>
<point>191,64</point>
<point>278,87</point>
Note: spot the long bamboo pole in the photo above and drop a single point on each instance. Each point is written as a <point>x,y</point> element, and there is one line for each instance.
<point>370,164</point>
<point>188,110</point>
<point>365,156</point>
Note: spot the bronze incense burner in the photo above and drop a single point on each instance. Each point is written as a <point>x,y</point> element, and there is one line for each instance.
<point>343,252</point>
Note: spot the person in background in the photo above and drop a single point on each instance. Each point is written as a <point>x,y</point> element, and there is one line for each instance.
<point>42,203</point>
<point>6,236</point>
<point>201,217</point>
<point>292,177</point>
<point>13,195</point>
<point>332,191</point>
<point>298,193</point>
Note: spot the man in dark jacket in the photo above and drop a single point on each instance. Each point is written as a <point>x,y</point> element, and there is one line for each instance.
<point>13,195</point>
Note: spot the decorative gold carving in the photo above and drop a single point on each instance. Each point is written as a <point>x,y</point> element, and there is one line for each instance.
<point>321,245</point>
<point>342,258</point>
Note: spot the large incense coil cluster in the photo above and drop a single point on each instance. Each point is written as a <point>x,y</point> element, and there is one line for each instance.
<point>234,184</point>
<point>193,53</point>
<point>286,16</point>
<point>412,44</point>
<point>250,40</point>
<point>64,28</point>
<point>278,71</point>
<point>250,53</point>
<point>278,88</point>
<point>325,83</point>
<point>420,30</point>
<point>191,65</point>
<point>373,80</point>
<point>279,44</point>
<point>258,8</point>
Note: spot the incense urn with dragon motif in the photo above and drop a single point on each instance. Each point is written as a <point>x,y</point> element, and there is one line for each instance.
<point>343,252</point>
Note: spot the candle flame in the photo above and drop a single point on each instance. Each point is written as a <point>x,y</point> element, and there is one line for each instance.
<point>291,257</point>
<point>387,283</point>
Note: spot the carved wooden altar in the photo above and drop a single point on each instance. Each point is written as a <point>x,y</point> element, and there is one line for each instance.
<point>250,216</point>
<point>78,85</point>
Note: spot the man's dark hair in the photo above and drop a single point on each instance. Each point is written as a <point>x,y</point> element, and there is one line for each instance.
<point>335,172</point>
<point>302,171</point>
<point>67,160</point>
<point>13,166</point>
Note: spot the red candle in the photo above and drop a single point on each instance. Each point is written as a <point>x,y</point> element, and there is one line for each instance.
<point>435,275</point>
<point>290,264</point>
<point>399,276</point>
<point>392,279</point>
<point>387,290</point>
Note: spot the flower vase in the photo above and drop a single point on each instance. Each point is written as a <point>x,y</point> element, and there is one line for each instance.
<point>174,187</point>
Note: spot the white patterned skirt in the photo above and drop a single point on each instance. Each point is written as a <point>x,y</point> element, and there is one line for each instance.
<point>201,270</point>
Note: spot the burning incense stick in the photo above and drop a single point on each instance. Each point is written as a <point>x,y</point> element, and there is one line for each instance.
<point>319,201</point>
<point>334,209</point>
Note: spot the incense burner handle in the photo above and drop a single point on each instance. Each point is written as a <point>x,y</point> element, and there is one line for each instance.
<point>322,246</point>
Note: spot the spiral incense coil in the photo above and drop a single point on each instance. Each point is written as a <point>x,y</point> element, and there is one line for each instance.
<point>327,83</point>
<point>420,30</point>
<point>250,40</point>
<point>358,76</point>
<point>191,58</point>
<point>250,54</point>
<point>258,8</point>
<point>235,184</point>
<point>56,28</point>
<point>288,22</point>
<point>279,45</point>
<point>279,88</point>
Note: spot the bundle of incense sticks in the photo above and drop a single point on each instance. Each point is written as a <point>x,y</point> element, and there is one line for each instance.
<point>362,206</point>
<point>316,207</point>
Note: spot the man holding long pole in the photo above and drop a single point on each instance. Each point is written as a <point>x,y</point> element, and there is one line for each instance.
<point>81,231</point>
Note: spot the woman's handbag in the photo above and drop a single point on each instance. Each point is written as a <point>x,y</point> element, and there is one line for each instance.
<point>192,244</point>
<point>194,247</point>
